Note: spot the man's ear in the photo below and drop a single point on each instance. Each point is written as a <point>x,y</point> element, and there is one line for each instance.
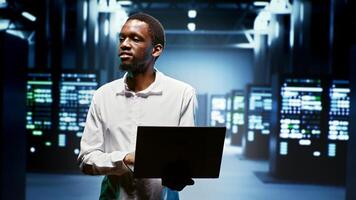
<point>157,50</point>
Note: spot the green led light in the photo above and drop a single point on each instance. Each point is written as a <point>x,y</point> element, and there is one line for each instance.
<point>39,82</point>
<point>30,126</point>
<point>38,133</point>
<point>48,143</point>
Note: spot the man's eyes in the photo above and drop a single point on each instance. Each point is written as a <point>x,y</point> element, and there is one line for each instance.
<point>135,39</point>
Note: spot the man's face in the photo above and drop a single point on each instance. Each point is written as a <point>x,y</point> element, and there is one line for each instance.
<point>135,48</point>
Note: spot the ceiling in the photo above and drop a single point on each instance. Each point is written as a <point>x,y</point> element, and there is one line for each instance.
<point>220,22</point>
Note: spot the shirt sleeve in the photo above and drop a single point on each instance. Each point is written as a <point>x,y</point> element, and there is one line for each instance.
<point>189,107</point>
<point>92,158</point>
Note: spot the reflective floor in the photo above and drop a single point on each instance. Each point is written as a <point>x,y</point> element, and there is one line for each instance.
<point>238,181</point>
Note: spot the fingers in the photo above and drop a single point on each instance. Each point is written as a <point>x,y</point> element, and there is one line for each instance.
<point>129,159</point>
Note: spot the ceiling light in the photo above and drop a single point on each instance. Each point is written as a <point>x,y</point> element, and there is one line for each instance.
<point>244,45</point>
<point>16,33</point>
<point>4,24</point>
<point>3,4</point>
<point>260,3</point>
<point>84,36</point>
<point>85,10</point>
<point>192,13</point>
<point>108,6</point>
<point>106,27</point>
<point>191,26</point>
<point>96,34</point>
<point>125,3</point>
<point>29,16</point>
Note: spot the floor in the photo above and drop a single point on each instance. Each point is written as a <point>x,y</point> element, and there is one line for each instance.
<point>237,181</point>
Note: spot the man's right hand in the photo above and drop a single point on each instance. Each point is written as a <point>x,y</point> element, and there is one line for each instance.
<point>129,159</point>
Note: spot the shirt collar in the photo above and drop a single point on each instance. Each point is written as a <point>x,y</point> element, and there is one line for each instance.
<point>154,89</point>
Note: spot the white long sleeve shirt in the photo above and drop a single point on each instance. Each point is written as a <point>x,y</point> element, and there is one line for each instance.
<point>112,120</point>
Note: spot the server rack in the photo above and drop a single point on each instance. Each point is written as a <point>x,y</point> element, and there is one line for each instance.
<point>258,104</point>
<point>218,104</point>
<point>237,117</point>
<point>54,137</point>
<point>310,129</point>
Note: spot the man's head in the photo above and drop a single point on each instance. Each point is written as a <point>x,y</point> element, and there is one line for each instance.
<point>142,40</point>
<point>155,27</point>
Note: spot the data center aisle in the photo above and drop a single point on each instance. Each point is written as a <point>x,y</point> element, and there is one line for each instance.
<point>237,182</point>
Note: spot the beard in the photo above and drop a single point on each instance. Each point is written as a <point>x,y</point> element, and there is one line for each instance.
<point>134,68</point>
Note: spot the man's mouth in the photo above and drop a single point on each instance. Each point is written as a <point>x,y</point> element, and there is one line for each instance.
<point>125,55</point>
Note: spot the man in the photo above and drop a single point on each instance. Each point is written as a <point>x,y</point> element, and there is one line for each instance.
<point>144,96</point>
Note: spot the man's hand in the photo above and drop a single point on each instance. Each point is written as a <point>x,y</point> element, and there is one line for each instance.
<point>129,159</point>
<point>177,183</point>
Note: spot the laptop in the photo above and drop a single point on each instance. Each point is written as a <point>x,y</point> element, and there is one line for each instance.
<point>165,151</point>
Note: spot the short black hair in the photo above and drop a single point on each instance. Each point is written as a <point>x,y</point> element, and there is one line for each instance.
<point>155,27</point>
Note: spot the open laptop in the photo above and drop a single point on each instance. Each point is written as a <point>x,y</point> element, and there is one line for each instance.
<point>193,152</point>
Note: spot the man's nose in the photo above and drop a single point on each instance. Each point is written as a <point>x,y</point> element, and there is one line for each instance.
<point>125,43</point>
